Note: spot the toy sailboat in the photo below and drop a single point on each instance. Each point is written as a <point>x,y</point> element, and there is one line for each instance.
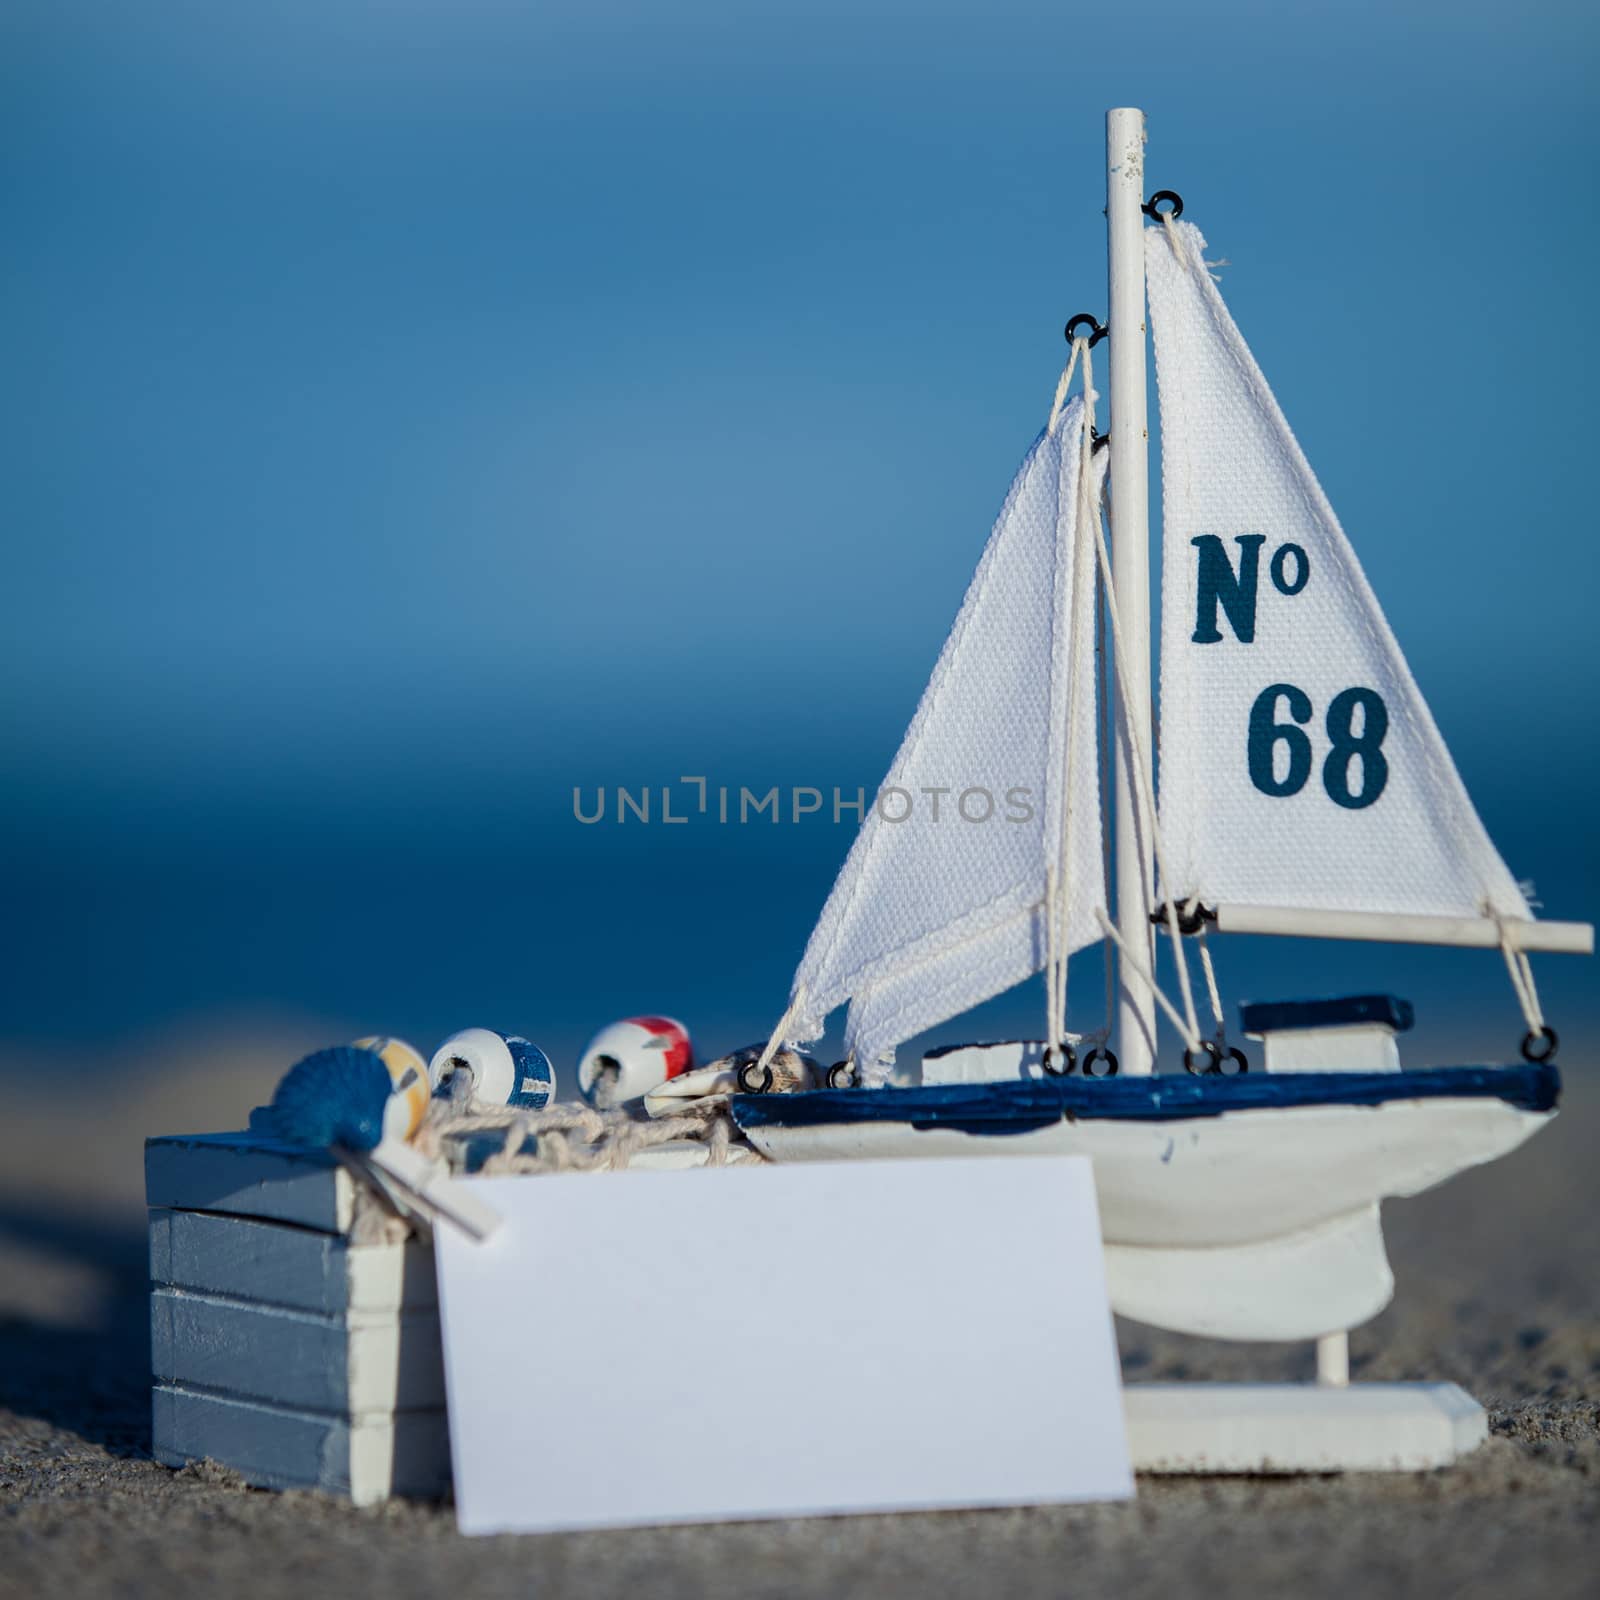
<point>1305,790</point>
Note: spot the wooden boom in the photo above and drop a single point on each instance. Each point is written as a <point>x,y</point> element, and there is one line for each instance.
<point>1478,933</point>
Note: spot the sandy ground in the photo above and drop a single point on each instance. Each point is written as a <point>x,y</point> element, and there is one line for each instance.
<point>1499,1289</point>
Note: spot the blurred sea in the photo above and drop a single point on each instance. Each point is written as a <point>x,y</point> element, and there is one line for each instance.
<point>375,901</point>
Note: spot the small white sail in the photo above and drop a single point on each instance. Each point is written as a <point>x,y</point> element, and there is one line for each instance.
<point>941,902</point>
<point>1300,765</point>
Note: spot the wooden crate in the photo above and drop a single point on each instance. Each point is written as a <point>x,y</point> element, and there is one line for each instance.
<point>279,1346</point>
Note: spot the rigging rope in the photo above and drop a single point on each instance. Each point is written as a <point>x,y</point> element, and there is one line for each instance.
<point>1063,385</point>
<point>1213,993</point>
<point>785,1022</point>
<point>1170,222</point>
<point>1057,883</point>
<point>1521,970</point>
<point>1190,1029</point>
<point>1145,798</point>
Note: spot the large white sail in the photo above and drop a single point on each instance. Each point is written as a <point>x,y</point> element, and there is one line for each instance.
<point>941,902</point>
<point>1300,765</point>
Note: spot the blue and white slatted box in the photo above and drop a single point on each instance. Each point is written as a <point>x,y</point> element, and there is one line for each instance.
<point>279,1346</point>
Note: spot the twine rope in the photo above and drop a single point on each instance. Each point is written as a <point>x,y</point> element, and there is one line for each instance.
<point>1213,993</point>
<point>1057,884</point>
<point>779,1036</point>
<point>1065,383</point>
<point>569,1137</point>
<point>1189,1023</point>
<point>1189,1030</point>
<point>1521,970</point>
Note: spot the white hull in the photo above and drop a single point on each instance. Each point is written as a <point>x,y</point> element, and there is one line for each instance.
<point>1256,1224</point>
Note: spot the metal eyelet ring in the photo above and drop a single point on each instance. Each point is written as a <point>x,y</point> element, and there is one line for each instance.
<point>748,1083</point>
<point>1238,1057</point>
<point>1152,206</point>
<point>1069,1055</point>
<point>1100,1053</point>
<point>1210,1049</point>
<point>1083,320</point>
<point>1530,1045</point>
<point>841,1075</point>
<point>1190,922</point>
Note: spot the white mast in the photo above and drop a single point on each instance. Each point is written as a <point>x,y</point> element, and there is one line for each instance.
<point>1130,564</point>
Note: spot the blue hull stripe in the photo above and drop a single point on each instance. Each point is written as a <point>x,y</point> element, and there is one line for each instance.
<point>1024,1105</point>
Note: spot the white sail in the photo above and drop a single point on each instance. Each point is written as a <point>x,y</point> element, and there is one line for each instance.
<point>936,910</point>
<point>1300,765</point>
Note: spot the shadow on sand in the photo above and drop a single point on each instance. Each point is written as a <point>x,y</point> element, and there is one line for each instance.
<point>92,1375</point>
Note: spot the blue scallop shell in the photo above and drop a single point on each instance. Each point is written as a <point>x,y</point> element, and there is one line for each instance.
<point>335,1096</point>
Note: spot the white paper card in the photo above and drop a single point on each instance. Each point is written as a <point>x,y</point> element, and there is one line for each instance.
<point>646,1347</point>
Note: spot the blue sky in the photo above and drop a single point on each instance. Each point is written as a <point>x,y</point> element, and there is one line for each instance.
<point>413,410</point>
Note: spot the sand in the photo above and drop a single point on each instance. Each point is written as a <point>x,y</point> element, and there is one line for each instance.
<point>1499,1290</point>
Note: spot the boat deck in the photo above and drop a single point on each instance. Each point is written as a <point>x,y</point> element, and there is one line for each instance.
<point>1022,1105</point>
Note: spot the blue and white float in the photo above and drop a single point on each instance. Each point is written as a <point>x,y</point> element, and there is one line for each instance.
<point>504,1069</point>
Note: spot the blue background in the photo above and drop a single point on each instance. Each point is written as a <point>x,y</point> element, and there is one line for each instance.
<point>412,412</point>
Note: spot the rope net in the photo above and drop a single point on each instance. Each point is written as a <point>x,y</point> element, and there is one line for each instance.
<point>569,1137</point>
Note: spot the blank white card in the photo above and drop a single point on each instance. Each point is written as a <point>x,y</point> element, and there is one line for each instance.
<point>762,1341</point>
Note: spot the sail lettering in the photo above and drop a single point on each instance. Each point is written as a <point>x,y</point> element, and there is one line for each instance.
<point>1220,586</point>
<point>1267,733</point>
<point>1346,743</point>
<point>1281,581</point>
